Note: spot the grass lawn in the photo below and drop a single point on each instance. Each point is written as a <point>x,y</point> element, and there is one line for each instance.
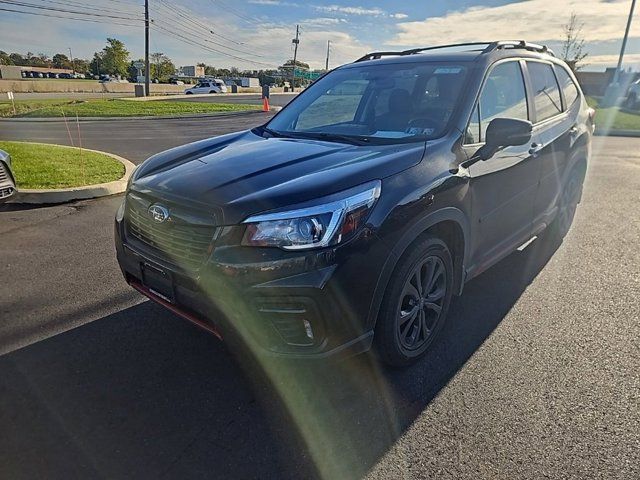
<point>113,108</point>
<point>51,166</point>
<point>614,118</point>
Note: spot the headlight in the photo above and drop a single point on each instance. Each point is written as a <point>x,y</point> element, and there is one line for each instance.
<point>312,227</point>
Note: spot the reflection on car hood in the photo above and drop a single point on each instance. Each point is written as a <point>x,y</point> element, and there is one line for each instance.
<point>244,173</point>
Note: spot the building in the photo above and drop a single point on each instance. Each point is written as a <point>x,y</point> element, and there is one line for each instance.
<point>191,71</point>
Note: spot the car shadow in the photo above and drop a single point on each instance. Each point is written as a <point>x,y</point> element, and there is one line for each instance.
<point>142,394</point>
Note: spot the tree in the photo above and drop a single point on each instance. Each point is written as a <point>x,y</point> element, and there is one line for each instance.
<point>573,46</point>
<point>161,66</point>
<point>5,58</point>
<point>96,64</point>
<point>60,60</point>
<point>114,58</point>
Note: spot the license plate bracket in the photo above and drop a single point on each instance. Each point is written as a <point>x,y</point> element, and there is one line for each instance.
<point>158,281</point>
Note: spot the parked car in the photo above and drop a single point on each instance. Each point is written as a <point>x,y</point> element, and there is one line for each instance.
<point>7,180</point>
<point>175,81</point>
<point>207,86</point>
<point>351,218</point>
<point>633,96</point>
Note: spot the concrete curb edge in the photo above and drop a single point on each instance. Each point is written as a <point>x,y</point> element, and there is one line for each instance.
<point>63,195</point>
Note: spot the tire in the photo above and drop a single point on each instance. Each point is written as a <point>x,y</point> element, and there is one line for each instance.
<point>569,199</point>
<point>189,93</point>
<point>212,91</point>
<point>410,318</point>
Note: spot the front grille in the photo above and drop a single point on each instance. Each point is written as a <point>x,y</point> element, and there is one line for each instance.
<point>3,173</point>
<point>185,245</point>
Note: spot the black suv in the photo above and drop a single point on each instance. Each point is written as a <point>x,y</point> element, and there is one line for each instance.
<point>351,218</point>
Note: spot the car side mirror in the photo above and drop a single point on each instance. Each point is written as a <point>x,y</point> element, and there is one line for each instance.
<point>504,132</point>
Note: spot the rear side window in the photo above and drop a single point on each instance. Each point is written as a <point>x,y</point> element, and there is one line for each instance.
<point>569,89</point>
<point>546,94</point>
<point>503,96</point>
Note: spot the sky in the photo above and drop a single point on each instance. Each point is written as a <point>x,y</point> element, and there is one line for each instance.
<point>257,33</point>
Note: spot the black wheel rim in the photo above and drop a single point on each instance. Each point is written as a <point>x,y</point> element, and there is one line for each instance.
<point>421,303</point>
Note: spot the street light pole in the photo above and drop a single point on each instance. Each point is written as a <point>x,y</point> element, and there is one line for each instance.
<point>146,48</point>
<point>326,65</point>
<point>73,64</point>
<point>612,94</point>
<point>296,42</point>
<point>616,75</point>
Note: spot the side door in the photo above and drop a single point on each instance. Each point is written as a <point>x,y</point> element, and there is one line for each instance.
<point>503,188</point>
<point>556,111</point>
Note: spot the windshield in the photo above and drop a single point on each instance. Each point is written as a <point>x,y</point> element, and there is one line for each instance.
<point>388,102</point>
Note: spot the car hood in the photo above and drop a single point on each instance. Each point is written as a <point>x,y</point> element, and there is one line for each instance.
<point>244,173</point>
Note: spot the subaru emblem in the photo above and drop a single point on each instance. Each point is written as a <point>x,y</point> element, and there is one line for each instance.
<point>159,213</point>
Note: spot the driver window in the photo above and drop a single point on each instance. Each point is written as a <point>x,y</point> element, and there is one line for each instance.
<point>503,96</point>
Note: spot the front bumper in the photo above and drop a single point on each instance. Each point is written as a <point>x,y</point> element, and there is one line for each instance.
<point>288,304</point>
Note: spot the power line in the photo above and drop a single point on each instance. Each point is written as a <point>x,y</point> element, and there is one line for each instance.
<point>206,28</point>
<point>77,4</point>
<point>38,14</point>
<point>62,10</point>
<point>204,47</point>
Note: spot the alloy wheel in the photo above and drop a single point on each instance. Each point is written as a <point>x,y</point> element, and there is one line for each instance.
<point>421,303</point>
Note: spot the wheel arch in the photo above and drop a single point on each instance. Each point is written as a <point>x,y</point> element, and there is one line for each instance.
<point>452,226</point>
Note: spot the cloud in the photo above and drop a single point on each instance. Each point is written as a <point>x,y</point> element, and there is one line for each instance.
<point>323,21</point>
<point>534,20</point>
<point>399,16</point>
<point>275,3</point>
<point>376,12</point>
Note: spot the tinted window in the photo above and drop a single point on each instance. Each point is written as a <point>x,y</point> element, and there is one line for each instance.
<point>545,89</point>
<point>503,95</point>
<point>569,88</point>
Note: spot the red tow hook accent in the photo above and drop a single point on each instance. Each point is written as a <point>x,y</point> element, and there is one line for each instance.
<point>178,311</point>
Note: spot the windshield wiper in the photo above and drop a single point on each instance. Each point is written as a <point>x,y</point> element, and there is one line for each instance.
<point>273,133</point>
<point>333,137</point>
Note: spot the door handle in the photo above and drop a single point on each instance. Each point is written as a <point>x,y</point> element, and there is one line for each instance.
<point>535,148</point>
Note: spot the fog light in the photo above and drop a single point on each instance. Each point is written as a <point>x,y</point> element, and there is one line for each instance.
<point>307,328</point>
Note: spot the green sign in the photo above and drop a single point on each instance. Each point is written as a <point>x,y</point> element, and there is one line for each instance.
<point>306,74</point>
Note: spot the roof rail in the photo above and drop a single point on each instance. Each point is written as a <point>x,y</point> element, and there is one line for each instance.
<point>488,47</point>
<point>503,44</point>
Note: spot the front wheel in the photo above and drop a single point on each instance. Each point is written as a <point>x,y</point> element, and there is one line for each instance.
<point>188,93</point>
<point>416,303</point>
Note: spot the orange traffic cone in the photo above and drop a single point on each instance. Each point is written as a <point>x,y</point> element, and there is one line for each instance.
<point>265,104</point>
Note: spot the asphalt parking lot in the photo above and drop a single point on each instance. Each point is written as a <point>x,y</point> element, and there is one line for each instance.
<point>536,374</point>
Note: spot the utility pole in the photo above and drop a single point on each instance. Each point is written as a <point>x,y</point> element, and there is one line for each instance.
<point>146,48</point>
<point>296,42</point>
<point>73,64</point>
<point>326,65</point>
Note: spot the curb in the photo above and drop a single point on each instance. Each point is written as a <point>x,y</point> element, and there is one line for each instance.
<point>103,119</point>
<point>62,195</point>
<point>617,133</point>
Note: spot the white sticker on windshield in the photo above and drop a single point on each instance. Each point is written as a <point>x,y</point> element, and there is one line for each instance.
<point>449,70</point>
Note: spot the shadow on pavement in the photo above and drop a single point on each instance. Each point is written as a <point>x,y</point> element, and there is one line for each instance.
<point>141,394</point>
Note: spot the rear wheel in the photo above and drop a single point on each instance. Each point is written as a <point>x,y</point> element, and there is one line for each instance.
<point>416,302</point>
